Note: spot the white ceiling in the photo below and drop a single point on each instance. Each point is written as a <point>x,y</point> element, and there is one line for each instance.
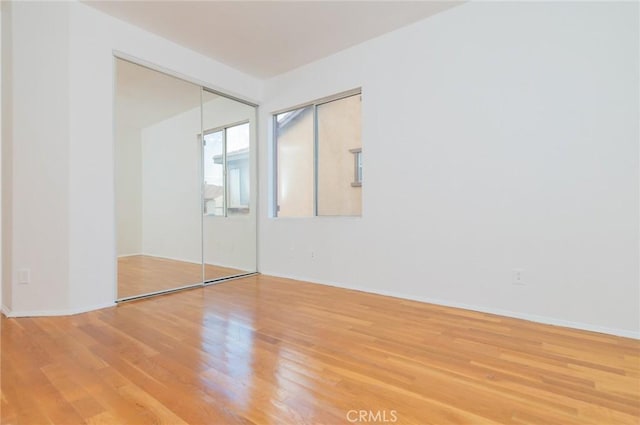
<point>267,38</point>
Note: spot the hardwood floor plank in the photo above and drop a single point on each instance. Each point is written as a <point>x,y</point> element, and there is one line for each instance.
<point>264,350</point>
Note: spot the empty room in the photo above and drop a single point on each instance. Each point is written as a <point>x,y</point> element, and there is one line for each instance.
<point>320,212</point>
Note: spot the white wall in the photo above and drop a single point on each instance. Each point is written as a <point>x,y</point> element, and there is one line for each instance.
<point>36,142</point>
<point>63,156</point>
<point>128,180</point>
<point>1,119</point>
<point>495,136</point>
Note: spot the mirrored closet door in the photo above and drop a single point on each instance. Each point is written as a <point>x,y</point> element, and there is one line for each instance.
<point>229,213</point>
<point>185,203</point>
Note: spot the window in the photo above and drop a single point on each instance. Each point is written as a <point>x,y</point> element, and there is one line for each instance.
<point>226,171</point>
<point>295,158</point>
<point>319,158</point>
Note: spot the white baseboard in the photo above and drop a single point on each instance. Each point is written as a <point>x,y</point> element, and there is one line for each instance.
<point>130,255</point>
<point>513,314</point>
<point>142,254</point>
<point>229,266</point>
<point>63,312</point>
<point>172,258</point>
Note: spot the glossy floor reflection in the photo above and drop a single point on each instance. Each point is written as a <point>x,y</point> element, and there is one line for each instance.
<point>144,274</point>
<point>264,350</point>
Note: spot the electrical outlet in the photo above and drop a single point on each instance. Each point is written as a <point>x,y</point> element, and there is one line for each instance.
<point>24,276</point>
<point>517,278</point>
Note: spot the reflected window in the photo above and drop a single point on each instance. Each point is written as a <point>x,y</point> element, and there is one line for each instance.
<point>226,171</point>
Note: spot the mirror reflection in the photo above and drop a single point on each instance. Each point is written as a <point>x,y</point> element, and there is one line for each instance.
<point>184,201</point>
<point>229,230</point>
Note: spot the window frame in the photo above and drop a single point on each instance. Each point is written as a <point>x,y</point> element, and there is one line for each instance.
<point>357,167</point>
<point>225,168</point>
<point>274,135</point>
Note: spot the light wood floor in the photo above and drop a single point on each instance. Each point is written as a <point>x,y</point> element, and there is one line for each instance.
<point>143,274</point>
<point>264,350</point>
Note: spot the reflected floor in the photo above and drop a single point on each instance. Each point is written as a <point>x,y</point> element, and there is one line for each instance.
<point>142,274</point>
